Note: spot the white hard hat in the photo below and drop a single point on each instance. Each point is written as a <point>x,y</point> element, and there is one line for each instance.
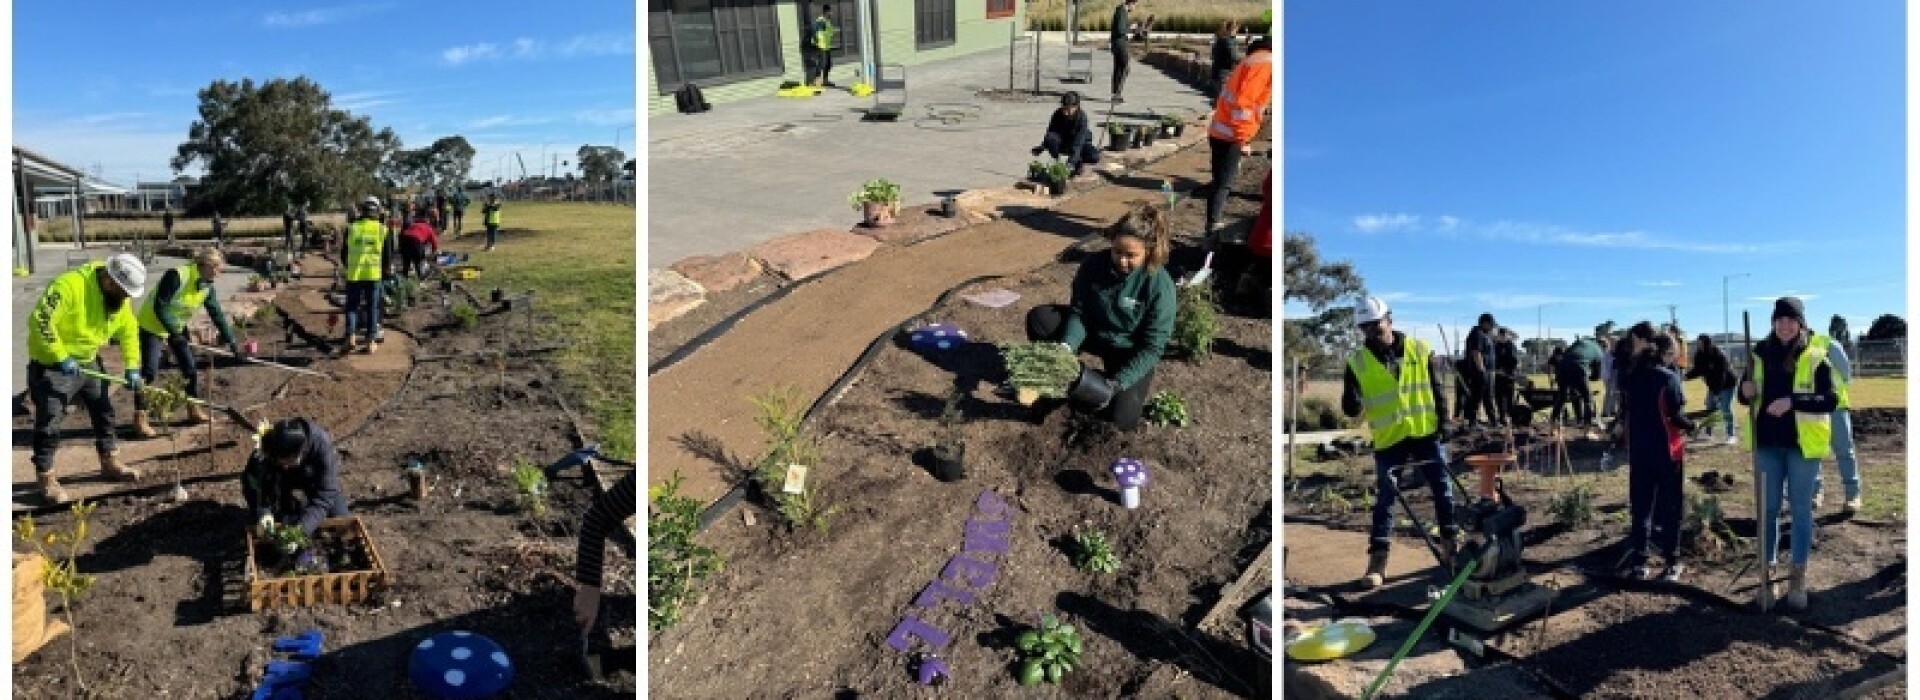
<point>1369,310</point>
<point>371,202</point>
<point>127,272</point>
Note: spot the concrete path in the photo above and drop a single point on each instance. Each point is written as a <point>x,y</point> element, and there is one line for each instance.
<point>700,407</point>
<point>751,171</point>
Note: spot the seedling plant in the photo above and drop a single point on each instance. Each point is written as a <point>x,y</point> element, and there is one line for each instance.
<point>676,564</point>
<point>1092,553</point>
<point>1196,320</point>
<point>1167,408</point>
<point>1572,507</point>
<point>531,483</point>
<point>785,474</point>
<point>1048,652</point>
<point>465,315</point>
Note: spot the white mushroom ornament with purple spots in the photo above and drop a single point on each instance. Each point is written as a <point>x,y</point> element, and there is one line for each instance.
<point>1131,475</point>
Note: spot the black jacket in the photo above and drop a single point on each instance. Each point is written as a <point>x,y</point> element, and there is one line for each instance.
<point>1477,352</point>
<point>1118,33</point>
<point>1772,431</point>
<point>278,492</point>
<point>1506,358</point>
<point>1074,132</point>
<point>1225,55</point>
<point>1656,425</point>
<point>1712,367</point>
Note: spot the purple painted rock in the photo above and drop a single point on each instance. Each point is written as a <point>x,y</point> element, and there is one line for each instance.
<point>937,337</point>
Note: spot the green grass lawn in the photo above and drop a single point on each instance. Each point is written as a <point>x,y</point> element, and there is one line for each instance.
<point>580,260</point>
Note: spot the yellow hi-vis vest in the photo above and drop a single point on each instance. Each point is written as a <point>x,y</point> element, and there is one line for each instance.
<point>190,297</point>
<point>1397,409</point>
<point>365,239</point>
<point>493,215</point>
<point>72,320</point>
<point>823,34</point>
<point>1815,429</point>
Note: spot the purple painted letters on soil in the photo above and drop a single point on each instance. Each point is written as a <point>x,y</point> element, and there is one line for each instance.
<point>963,576</point>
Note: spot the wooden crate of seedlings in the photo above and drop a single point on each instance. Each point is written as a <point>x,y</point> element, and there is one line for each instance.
<point>338,565</point>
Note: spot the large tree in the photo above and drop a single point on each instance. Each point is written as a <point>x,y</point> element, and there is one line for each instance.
<point>1328,335</point>
<point>452,159</point>
<point>1887,327</point>
<point>266,145</point>
<point>601,163</point>
<point>1837,329</point>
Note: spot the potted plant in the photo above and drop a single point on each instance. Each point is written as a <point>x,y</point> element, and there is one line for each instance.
<point>1172,126</point>
<point>878,200</point>
<point>1116,137</point>
<point>1039,370</point>
<point>1148,133</point>
<point>1056,177</point>
<point>1037,171</point>
<point>949,457</point>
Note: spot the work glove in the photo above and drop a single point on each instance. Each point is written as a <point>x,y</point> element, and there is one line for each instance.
<point>69,367</point>
<point>133,380</point>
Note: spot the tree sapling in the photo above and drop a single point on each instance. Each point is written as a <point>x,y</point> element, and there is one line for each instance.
<point>58,572</point>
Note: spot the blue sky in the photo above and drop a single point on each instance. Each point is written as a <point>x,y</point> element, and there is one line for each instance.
<point>1604,160</point>
<point>113,84</point>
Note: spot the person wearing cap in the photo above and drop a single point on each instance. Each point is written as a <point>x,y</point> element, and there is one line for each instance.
<point>1068,133</point>
<point>80,311</point>
<point>1843,455</point>
<point>1394,382</point>
<point>1477,369</point>
<point>1236,121</point>
<point>364,259</point>
<point>1791,393</point>
<point>293,477</point>
<point>490,215</point>
<point>603,518</point>
<point>163,317</point>
<point>1122,309</point>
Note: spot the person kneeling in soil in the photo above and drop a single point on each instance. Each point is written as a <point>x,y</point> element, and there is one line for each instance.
<point>1122,308</point>
<point>294,477</point>
<point>163,322</point>
<point>1394,381</point>
<point>1791,384</point>
<point>603,517</point>
<point>1069,134</point>
<point>1657,429</point>
<point>415,244</point>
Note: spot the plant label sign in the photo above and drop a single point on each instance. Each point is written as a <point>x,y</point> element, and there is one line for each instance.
<point>796,479</point>
<point>965,574</point>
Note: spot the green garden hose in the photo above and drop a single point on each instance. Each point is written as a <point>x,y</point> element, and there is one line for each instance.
<point>1407,646</point>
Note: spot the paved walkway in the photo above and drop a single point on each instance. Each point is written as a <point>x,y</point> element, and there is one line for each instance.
<point>807,339</point>
<point>751,171</point>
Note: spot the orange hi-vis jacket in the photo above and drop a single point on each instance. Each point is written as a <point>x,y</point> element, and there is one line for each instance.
<point>1236,115</point>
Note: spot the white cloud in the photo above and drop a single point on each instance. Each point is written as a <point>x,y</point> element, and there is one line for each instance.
<point>1385,223</point>
<point>99,119</point>
<point>362,101</point>
<point>1530,301</point>
<point>472,52</point>
<point>318,16</point>
<point>605,117</point>
<point>1412,298</point>
<point>1449,223</point>
<point>1660,283</point>
<point>525,48</point>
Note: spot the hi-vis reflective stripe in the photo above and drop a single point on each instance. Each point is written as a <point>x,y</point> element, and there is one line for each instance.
<point>1221,129</point>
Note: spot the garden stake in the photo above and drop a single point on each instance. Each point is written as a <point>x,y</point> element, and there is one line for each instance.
<point>1407,646</point>
<point>1760,552</point>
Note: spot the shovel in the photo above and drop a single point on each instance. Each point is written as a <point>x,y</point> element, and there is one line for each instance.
<point>258,361</point>
<point>231,412</point>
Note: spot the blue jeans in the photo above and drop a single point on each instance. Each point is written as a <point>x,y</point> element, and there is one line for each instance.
<point>1785,465</point>
<point>1843,454</point>
<point>363,303</point>
<point>1722,401</point>
<point>1433,465</point>
<point>493,232</point>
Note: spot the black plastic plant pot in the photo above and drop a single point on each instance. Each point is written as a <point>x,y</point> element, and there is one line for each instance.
<point>1179,129</point>
<point>1147,136</point>
<point>497,295</point>
<point>949,462</point>
<point>1057,187</point>
<point>1091,389</point>
<point>1138,137</point>
<point>948,207</point>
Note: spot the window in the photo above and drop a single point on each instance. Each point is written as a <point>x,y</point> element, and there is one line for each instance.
<point>712,42</point>
<point>933,25</point>
<point>1001,9</point>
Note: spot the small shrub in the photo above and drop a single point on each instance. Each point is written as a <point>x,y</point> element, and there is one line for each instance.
<point>465,315</point>
<point>1092,552</point>
<point>1706,529</point>
<point>676,564</point>
<point>781,414</point>
<point>1048,652</point>
<point>59,573</point>
<point>531,482</point>
<point>1196,320</point>
<point>1167,408</point>
<point>1572,507</point>
<point>1040,369</point>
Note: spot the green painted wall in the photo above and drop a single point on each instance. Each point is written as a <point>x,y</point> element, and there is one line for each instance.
<point>973,33</point>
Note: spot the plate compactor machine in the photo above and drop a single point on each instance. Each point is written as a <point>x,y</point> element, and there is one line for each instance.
<point>1499,593</point>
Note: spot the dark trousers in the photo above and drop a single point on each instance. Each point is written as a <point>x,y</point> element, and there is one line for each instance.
<point>1574,396</point>
<point>1503,388</point>
<point>459,220</point>
<point>1055,146</point>
<point>413,257</point>
<point>1121,60</point>
<point>1219,81</point>
<point>151,348</point>
<point>363,309</point>
<point>1048,323</point>
<point>1430,457</point>
<point>493,233</point>
<point>819,63</point>
<point>51,393</point>
<point>169,229</point>
<point>1226,166</point>
<point>1654,499</point>
<point>1479,395</point>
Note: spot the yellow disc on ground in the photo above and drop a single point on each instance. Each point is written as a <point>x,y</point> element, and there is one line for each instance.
<point>861,89</point>
<point>1330,642</point>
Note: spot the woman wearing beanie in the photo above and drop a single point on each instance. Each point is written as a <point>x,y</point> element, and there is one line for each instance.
<point>1790,397</point>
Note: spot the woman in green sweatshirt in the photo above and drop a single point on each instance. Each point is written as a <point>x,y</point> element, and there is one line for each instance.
<point>1121,310</point>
